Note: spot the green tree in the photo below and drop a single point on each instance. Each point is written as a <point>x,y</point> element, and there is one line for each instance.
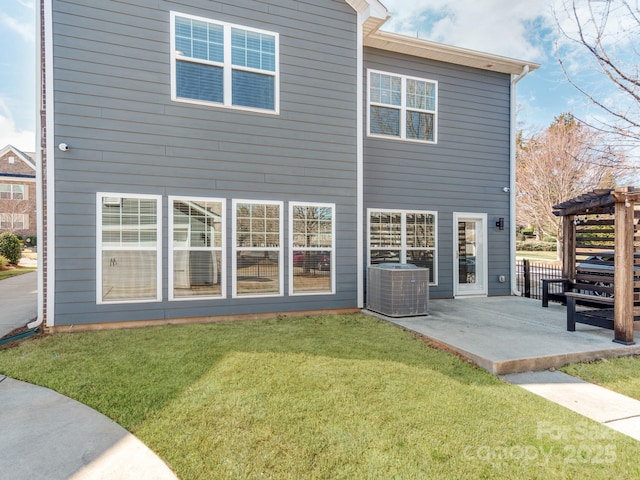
<point>10,247</point>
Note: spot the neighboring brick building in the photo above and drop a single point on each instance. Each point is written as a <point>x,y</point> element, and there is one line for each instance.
<point>17,192</point>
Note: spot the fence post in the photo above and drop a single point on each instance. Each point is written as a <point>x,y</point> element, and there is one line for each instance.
<point>527,278</point>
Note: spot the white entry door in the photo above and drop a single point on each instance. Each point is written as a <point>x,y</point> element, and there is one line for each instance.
<point>470,254</point>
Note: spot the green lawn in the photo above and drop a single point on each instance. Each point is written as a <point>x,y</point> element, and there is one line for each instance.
<point>324,397</point>
<point>16,271</point>
<point>547,256</point>
<point>618,374</point>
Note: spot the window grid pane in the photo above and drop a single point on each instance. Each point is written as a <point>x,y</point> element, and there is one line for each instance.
<point>198,42</point>
<point>258,249</point>
<point>413,118</point>
<point>311,256</point>
<point>129,233</point>
<point>197,248</point>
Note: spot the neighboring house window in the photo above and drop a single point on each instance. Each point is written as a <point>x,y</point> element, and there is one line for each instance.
<point>257,258</point>
<point>10,191</point>
<point>196,243</point>
<point>14,221</point>
<point>312,260</point>
<point>129,248</point>
<point>224,64</point>
<point>398,236</point>
<point>402,107</point>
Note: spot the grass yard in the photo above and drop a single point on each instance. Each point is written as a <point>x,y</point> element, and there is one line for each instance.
<point>9,272</point>
<point>325,397</point>
<point>542,256</point>
<point>621,375</point>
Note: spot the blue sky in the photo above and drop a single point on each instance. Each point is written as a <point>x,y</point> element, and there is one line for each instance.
<point>523,29</point>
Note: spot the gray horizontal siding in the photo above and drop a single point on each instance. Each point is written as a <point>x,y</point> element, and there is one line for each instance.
<point>112,105</point>
<point>464,172</point>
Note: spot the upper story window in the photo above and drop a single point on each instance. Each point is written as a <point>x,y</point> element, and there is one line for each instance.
<point>12,191</point>
<point>224,64</point>
<point>402,107</point>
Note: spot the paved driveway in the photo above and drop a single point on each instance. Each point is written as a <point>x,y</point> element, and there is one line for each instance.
<point>18,301</point>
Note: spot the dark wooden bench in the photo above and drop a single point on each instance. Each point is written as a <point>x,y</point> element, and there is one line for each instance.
<point>556,296</point>
<point>599,313</point>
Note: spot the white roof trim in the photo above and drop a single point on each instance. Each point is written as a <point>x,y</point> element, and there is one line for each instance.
<point>21,155</point>
<point>374,14</point>
<point>446,53</point>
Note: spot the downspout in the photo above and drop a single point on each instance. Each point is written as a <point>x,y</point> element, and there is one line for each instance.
<point>359,165</point>
<point>44,152</point>
<point>512,180</point>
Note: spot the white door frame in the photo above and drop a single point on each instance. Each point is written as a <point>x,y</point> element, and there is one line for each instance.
<point>480,287</point>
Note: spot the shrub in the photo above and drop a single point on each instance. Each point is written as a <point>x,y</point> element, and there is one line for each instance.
<point>10,247</point>
<point>31,240</point>
<point>549,239</point>
<point>536,246</point>
<point>3,261</point>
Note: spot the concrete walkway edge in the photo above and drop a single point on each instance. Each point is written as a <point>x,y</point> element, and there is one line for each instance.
<point>46,435</point>
<point>609,408</point>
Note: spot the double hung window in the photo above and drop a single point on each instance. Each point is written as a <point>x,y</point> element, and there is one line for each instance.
<point>402,107</point>
<point>12,191</point>
<point>13,221</point>
<point>224,64</point>
<point>311,261</point>
<point>196,243</point>
<point>129,248</point>
<point>257,237</point>
<point>397,236</point>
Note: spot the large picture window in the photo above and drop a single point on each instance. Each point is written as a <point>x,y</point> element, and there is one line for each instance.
<point>402,107</point>
<point>398,236</point>
<point>312,259</point>
<point>224,64</point>
<point>257,259</point>
<point>129,248</point>
<point>196,243</point>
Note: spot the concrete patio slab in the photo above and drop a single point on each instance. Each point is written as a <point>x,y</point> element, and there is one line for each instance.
<point>511,334</point>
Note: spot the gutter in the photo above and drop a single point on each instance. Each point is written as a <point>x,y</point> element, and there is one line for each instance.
<point>512,180</point>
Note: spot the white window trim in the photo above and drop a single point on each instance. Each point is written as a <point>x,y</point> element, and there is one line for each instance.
<point>292,205</point>
<point>221,249</point>
<point>403,229</point>
<point>234,250</point>
<point>402,108</point>
<point>158,247</point>
<point>226,65</point>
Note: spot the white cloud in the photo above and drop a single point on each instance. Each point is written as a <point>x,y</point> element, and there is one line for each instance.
<point>24,140</point>
<point>24,30</point>
<point>502,27</point>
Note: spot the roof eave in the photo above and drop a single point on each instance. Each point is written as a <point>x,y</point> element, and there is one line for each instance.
<point>417,47</point>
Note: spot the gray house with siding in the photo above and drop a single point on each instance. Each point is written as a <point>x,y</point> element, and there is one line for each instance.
<point>235,159</point>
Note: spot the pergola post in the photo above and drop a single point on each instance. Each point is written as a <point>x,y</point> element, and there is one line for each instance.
<point>624,264</point>
<point>569,247</point>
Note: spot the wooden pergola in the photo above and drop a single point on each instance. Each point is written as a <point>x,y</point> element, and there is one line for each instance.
<point>606,221</point>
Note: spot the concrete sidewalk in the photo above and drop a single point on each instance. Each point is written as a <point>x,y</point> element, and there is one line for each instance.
<point>520,341</point>
<point>45,435</point>
<point>612,409</point>
<point>18,302</point>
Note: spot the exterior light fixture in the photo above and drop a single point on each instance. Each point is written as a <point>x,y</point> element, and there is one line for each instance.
<point>500,223</point>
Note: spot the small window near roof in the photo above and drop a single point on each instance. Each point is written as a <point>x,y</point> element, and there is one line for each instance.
<point>402,107</point>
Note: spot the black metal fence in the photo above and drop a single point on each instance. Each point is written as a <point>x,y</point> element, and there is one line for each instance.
<point>529,275</point>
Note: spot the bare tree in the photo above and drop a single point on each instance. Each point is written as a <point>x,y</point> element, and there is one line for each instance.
<point>563,161</point>
<point>608,32</point>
